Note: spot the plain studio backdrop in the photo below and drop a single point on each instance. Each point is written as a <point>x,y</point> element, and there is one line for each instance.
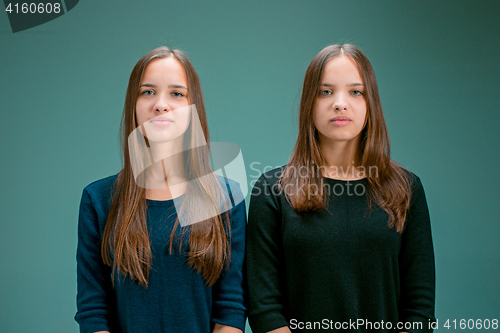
<point>62,89</point>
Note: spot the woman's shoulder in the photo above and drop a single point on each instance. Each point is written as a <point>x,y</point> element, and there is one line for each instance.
<point>102,188</point>
<point>103,183</point>
<point>412,178</point>
<point>273,176</point>
<point>227,181</point>
<point>96,202</point>
<point>231,189</point>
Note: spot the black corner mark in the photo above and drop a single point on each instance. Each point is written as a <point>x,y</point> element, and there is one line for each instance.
<point>26,14</point>
<point>70,4</point>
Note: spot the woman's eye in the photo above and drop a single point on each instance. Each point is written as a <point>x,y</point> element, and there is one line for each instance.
<point>325,92</point>
<point>356,93</point>
<point>177,94</point>
<point>147,92</point>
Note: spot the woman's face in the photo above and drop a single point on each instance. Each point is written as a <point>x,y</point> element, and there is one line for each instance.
<point>162,109</point>
<point>340,109</point>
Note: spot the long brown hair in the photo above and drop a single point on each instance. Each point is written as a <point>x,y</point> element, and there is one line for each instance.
<point>125,245</point>
<point>390,189</point>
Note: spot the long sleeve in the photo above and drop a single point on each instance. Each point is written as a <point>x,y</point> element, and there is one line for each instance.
<point>265,260</point>
<point>93,276</point>
<point>416,263</point>
<point>228,294</point>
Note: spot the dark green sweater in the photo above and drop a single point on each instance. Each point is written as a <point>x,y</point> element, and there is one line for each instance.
<point>331,269</point>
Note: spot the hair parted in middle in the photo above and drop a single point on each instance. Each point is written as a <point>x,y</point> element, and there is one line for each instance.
<point>125,245</point>
<point>390,189</point>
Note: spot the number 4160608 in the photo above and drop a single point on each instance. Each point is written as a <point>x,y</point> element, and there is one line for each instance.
<point>471,324</point>
<point>33,8</point>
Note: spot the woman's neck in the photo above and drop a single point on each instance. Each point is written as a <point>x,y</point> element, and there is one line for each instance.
<point>341,159</point>
<point>165,179</point>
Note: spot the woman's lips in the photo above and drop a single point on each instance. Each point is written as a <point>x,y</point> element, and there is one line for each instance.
<point>340,121</point>
<point>161,122</point>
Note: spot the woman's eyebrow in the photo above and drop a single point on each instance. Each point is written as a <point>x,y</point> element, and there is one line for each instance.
<point>170,86</point>
<point>177,86</point>
<point>355,84</point>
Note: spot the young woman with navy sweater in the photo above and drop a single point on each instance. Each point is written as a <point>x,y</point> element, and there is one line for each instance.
<point>149,257</point>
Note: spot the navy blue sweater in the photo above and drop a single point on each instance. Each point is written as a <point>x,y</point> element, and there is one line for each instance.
<point>177,298</point>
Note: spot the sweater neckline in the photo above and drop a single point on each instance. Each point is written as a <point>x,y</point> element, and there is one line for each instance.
<point>163,203</point>
<point>345,181</point>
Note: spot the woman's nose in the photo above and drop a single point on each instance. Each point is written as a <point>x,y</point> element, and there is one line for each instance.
<point>162,105</point>
<point>340,104</point>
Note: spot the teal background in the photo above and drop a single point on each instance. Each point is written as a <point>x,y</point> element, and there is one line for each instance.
<point>62,88</point>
